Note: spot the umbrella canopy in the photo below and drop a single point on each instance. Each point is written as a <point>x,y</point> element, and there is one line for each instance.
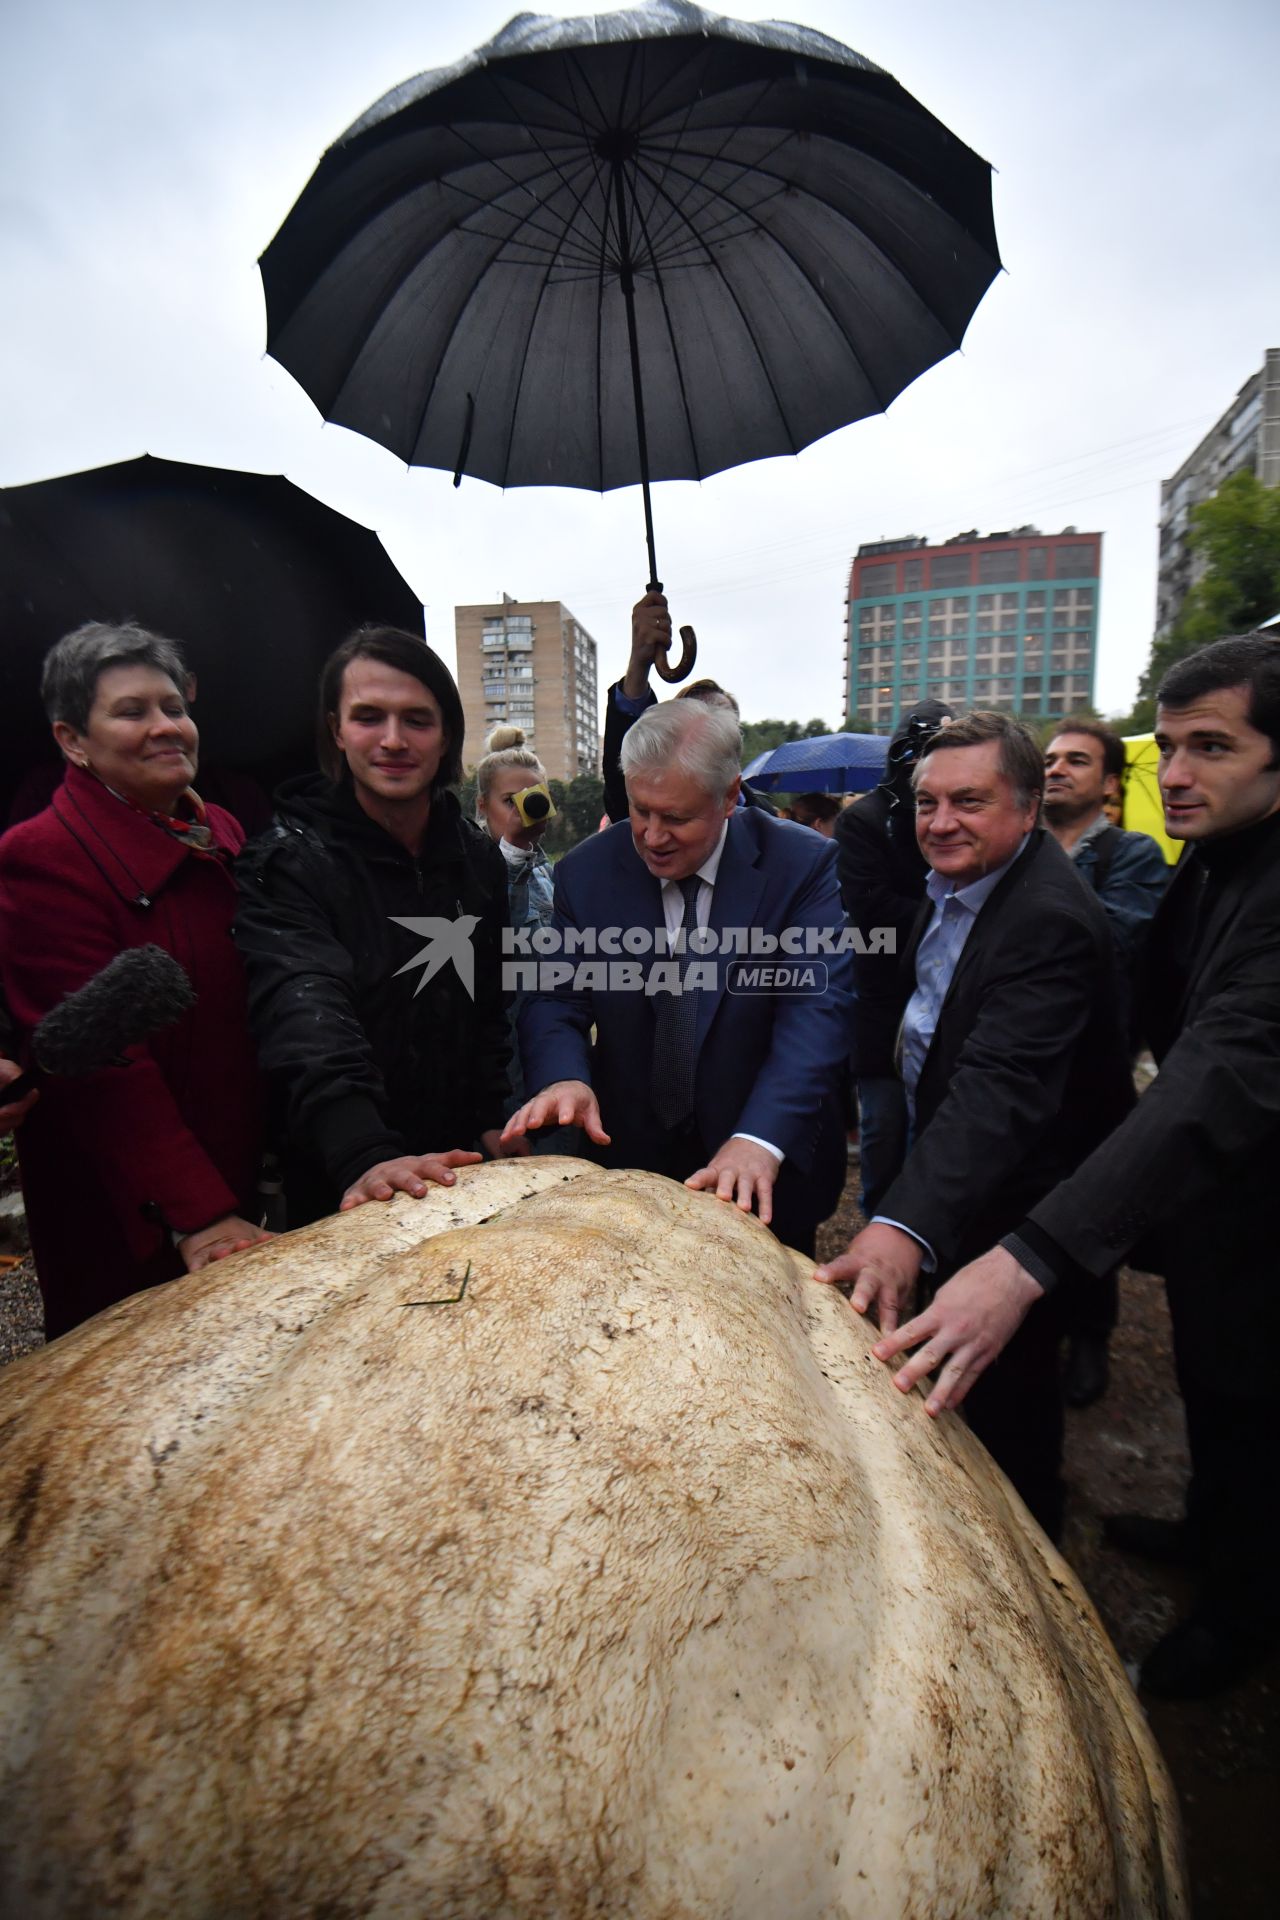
<point>1143,803</point>
<point>826,763</point>
<point>255,578</point>
<point>648,244</point>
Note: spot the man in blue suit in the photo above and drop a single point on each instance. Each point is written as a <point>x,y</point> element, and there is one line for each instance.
<point>720,1066</point>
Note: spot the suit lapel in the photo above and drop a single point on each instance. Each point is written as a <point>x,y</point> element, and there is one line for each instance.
<point>735,902</point>
<point>984,928</point>
<point>639,895</point>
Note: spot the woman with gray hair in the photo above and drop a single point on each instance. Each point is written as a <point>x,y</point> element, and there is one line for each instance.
<point>142,1170</point>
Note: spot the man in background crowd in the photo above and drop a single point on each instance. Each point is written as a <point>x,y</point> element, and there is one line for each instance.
<point>631,696</point>
<point>819,811</point>
<point>1187,1183</point>
<point>882,874</point>
<point>1084,768</point>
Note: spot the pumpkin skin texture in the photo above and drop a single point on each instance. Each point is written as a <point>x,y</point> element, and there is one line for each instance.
<point>626,1584</point>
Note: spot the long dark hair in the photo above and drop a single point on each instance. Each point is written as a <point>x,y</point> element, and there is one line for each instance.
<point>407,653</point>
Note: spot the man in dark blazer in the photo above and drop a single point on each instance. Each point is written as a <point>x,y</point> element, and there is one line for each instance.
<point>1188,1184</point>
<point>1013,1059</point>
<point>733,1082</point>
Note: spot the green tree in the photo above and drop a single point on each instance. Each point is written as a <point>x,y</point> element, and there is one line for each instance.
<point>1238,533</point>
<point>762,736</point>
<point>581,803</point>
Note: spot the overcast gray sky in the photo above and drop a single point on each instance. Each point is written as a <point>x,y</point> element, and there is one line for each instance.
<point>150,151</point>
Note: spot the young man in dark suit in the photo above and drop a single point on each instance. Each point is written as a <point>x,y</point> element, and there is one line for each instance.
<point>1013,1062</point>
<point>1083,770</point>
<point>1188,1182</point>
<point>728,1083</point>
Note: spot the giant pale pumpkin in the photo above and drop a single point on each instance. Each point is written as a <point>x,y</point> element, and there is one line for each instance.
<point>550,1547</point>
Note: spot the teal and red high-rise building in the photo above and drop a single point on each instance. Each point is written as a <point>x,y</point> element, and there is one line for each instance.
<point>1003,620</point>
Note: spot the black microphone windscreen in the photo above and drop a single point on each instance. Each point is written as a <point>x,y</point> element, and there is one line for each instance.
<point>138,992</point>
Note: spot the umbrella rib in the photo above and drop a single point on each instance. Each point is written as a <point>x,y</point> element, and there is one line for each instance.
<point>715,266</point>
<point>524,361</point>
<point>497,242</point>
<point>666,314</point>
<point>491,160</point>
<point>783,185</point>
<point>675,138</point>
<point>820,297</point>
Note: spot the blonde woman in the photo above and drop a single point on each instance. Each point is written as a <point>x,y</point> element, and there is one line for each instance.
<point>510,768</point>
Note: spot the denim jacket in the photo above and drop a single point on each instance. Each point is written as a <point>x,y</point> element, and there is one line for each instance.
<point>1132,889</point>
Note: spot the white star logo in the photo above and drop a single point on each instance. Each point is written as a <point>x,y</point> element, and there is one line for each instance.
<point>446,940</point>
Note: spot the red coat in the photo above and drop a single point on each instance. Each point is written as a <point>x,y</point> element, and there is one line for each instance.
<point>109,1158</point>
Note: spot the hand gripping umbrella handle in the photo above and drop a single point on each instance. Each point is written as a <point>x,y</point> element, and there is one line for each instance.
<point>684,665</point>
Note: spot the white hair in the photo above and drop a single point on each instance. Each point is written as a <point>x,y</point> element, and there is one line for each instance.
<point>703,742</point>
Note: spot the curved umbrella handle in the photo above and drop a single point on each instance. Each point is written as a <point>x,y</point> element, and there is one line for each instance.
<point>685,664</point>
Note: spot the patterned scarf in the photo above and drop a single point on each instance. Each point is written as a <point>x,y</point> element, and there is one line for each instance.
<point>193,831</point>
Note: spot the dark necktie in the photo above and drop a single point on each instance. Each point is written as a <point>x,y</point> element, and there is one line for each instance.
<point>674,1027</point>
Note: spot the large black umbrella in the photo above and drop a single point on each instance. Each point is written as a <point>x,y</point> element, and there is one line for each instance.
<point>643,245</point>
<point>257,580</point>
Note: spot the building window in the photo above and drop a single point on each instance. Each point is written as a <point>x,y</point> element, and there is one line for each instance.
<point>949,616</point>
<point>879,579</point>
<point>951,570</point>
<point>998,563</point>
<point>1037,563</point>
<point>1073,607</point>
<point>1073,562</point>
<point>909,692</point>
<point>877,623</point>
<point>911,619</point>
<point>937,651</point>
<point>912,575</point>
<point>1031,686</point>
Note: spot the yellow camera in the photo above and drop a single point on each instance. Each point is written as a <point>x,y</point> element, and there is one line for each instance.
<point>534,804</point>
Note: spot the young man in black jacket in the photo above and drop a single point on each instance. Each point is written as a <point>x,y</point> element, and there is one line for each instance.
<point>370,922</point>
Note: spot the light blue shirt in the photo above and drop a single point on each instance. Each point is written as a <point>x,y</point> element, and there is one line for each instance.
<point>955,909</point>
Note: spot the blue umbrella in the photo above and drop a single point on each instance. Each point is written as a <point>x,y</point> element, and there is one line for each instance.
<point>827,763</point>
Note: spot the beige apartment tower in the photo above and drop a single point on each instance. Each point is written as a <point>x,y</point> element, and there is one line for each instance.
<point>530,664</point>
<point>1247,437</point>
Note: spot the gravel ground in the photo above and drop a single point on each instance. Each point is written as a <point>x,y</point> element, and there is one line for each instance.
<point>1128,1451</point>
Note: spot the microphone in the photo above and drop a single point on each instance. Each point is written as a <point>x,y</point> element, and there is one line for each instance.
<point>142,990</point>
